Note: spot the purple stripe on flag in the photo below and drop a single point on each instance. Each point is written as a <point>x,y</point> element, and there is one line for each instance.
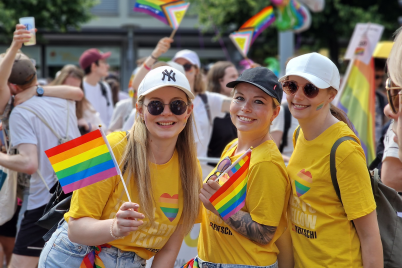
<point>235,210</point>
<point>90,180</point>
<point>153,14</point>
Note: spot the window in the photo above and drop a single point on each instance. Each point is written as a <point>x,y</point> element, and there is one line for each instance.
<point>106,7</point>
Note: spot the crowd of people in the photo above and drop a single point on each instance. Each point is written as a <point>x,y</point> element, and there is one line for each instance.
<point>292,216</point>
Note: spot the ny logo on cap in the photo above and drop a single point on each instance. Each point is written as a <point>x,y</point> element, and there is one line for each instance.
<point>169,75</point>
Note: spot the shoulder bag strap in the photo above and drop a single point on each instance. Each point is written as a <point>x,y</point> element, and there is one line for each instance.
<point>297,134</point>
<point>204,99</point>
<point>104,92</point>
<point>332,164</point>
<point>288,121</point>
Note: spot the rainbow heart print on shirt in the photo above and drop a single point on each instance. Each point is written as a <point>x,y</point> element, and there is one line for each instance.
<point>169,205</point>
<point>301,188</point>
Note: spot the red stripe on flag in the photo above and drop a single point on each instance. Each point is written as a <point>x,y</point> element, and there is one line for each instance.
<point>73,143</point>
<point>231,181</point>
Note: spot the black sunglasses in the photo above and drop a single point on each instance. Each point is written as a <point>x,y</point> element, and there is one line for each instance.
<point>177,107</point>
<point>187,67</point>
<point>291,87</point>
<point>221,167</point>
<point>392,95</point>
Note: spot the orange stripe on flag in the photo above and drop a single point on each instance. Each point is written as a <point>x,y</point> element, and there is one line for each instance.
<point>232,187</point>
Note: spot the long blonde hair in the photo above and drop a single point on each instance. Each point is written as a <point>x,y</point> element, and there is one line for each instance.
<point>394,62</point>
<point>135,162</point>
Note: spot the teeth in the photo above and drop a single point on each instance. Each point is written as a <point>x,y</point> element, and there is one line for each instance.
<point>165,124</point>
<point>245,118</point>
<point>299,106</point>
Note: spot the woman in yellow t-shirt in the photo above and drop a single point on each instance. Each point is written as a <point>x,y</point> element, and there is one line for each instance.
<point>326,232</point>
<point>249,237</point>
<point>159,163</point>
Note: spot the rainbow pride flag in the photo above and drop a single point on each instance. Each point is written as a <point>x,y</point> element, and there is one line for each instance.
<point>193,263</point>
<point>231,197</point>
<point>83,161</point>
<point>170,12</point>
<point>358,102</point>
<point>251,29</point>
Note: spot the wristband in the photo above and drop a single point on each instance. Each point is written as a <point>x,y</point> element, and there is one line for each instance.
<point>152,56</point>
<point>111,231</point>
<point>146,67</point>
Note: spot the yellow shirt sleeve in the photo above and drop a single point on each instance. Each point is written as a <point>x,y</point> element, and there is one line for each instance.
<point>266,193</point>
<point>354,183</point>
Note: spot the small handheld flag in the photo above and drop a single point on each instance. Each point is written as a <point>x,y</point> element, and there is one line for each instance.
<point>170,12</point>
<point>231,197</point>
<point>251,29</point>
<point>84,161</point>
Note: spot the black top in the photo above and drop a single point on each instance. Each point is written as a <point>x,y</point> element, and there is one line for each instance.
<point>223,132</point>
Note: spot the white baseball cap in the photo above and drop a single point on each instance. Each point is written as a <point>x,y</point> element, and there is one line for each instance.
<point>189,55</point>
<point>315,68</point>
<point>164,76</point>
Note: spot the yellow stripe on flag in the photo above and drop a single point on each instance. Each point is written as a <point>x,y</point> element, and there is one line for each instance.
<point>76,150</point>
<point>80,158</point>
<point>233,193</point>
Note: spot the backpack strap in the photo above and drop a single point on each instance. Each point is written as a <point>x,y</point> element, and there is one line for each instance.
<point>104,92</point>
<point>332,164</point>
<point>204,99</point>
<point>288,121</point>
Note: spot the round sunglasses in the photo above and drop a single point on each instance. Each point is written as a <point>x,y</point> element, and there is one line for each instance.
<point>187,67</point>
<point>291,87</point>
<point>392,95</point>
<point>177,107</point>
<point>221,167</point>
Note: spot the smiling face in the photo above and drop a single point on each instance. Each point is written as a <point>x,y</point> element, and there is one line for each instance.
<point>303,108</point>
<point>252,109</point>
<point>165,126</point>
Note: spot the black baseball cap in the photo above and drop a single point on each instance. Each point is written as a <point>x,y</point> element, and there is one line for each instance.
<point>262,78</point>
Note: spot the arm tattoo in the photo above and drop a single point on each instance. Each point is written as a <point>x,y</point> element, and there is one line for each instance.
<point>242,223</point>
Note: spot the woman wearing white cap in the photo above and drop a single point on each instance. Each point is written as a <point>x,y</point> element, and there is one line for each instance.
<point>158,159</point>
<point>327,232</point>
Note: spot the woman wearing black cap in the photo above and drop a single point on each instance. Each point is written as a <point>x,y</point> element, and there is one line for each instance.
<point>249,236</point>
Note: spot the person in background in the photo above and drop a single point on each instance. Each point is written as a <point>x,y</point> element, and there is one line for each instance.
<point>97,92</point>
<point>311,83</point>
<point>223,131</point>
<point>380,97</point>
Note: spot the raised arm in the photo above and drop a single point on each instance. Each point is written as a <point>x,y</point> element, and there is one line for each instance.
<point>162,47</point>
<point>60,91</point>
<point>6,63</point>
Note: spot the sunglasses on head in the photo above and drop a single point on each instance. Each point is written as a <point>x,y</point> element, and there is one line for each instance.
<point>392,95</point>
<point>221,167</point>
<point>177,107</point>
<point>291,87</point>
<point>187,67</point>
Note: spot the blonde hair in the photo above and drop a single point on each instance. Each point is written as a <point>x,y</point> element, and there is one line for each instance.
<point>216,73</point>
<point>199,84</point>
<point>135,161</point>
<point>394,61</point>
<point>73,71</point>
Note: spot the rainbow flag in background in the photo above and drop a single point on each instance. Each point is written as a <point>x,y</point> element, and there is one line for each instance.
<point>252,28</point>
<point>231,197</point>
<point>193,263</point>
<point>170,12</point>
<point>358,102</point>
<point>83,161</point>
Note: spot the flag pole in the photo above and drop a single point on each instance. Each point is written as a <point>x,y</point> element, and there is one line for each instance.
<point>115,162</point>
<point>173,33</point>
<point>235,163</point>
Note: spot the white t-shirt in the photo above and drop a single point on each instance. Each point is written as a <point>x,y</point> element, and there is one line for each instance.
<point>279,125</point>
<point>203,128</point>
<point>121,113</point>
<point>98,101</point>
<point>391,148</point>
<point>25,127</point>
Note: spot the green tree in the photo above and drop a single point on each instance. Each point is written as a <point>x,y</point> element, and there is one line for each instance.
<point>330,29</point>
<point>57,15</point>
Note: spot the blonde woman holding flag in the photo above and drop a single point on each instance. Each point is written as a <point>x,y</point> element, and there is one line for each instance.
<point>158,160</point>
<point>249,237</point>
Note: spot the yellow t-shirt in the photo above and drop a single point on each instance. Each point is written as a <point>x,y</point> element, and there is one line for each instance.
<point>321,227</point>
<point>267,196</point>
<point>102,200</point>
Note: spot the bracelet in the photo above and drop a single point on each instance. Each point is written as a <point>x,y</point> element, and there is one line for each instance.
<point>111,231</point>
<point>152,56</point>
<point>146,67</point>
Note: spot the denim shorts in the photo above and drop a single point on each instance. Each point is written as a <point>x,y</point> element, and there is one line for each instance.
<point>205,264</point>
<point>60,252</point>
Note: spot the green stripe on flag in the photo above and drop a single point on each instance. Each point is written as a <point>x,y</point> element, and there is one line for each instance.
<point>84,165</point>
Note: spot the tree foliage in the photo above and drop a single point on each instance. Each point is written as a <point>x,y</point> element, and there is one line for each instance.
<point>55,15</point>
<point>330,29</point>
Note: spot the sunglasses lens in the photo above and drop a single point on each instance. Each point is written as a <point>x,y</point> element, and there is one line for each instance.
<point>187,67</point>
<point>310,90</point>
<point>290,86</point>
<point>223,165</point>
<point>178,107</point>
<point>155,107</point>
<point>393,101</point>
